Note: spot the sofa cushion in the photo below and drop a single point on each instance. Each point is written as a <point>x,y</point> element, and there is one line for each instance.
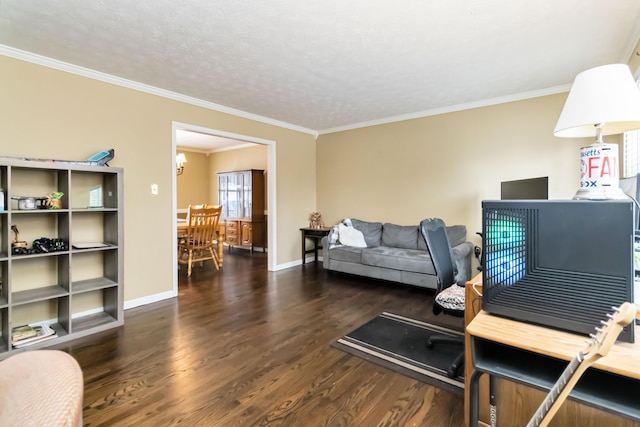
<point>346,253</point>
<point>412,260</point>
<point>400,236</point>
<point>350,236</point>
<point>456,234</point>
<point>372,231</point>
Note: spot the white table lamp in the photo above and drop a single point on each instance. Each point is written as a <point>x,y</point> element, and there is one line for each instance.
<point>603,101</point>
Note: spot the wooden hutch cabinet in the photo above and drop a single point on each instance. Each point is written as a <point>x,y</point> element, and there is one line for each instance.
<point>242,196</point>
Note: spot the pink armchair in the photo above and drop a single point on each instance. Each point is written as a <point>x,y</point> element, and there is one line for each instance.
<point>41,387</point>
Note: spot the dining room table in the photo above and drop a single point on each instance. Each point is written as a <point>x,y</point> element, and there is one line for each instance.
<point>182,226</point>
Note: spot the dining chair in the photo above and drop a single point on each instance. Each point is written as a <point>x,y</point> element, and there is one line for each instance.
<point>181,233</point>
<point>200,238</point>
<point>190,207</point>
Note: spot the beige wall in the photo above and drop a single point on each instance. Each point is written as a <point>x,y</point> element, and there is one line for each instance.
<point>49,113</point>
<point>444,165</point>
<point>401,172</point>
<point>193,186</point>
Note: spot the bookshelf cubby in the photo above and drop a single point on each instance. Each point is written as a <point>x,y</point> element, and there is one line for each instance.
<point>78,290</point>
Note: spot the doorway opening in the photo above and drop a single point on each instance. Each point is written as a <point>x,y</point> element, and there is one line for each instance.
<point>271,187</point>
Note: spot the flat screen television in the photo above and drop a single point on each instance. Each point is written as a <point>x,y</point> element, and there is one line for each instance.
<point>558,263</point>
<point>525,189</point>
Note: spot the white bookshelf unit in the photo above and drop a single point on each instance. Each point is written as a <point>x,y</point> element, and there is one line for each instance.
<point>78,291</point>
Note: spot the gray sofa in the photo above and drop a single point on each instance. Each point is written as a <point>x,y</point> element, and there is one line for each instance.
<point>395,253</point>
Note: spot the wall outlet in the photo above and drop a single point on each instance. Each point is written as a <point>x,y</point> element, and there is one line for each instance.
<point>154,189</point>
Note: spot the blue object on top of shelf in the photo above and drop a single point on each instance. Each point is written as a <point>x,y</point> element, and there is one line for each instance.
<point>102,157</point>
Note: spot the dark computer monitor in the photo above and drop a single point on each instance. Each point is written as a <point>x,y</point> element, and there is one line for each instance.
<point>525,189</point>
<point>558,263</point>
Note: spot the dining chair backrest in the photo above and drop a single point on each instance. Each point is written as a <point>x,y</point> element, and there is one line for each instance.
<point>202,226</point>
<point>191,207</point>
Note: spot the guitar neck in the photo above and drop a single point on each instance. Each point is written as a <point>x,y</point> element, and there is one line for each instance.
<point>598,347</point>
<point>558,392</point>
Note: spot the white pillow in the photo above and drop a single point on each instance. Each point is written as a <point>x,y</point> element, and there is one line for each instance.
<point>349,236</point>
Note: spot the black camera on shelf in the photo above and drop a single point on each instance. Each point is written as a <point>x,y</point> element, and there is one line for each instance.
<point>46,245</point>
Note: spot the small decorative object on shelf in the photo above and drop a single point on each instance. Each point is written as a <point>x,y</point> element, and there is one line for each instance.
<point>25,203</point>
<point>316,220</point>
<point>55,200</point>
<point>18,246</point>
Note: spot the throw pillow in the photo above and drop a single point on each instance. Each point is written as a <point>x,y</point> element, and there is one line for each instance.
<point>349,236</point>
<point>452,298</point>
<point>457,234</point>
<point>333,236</point>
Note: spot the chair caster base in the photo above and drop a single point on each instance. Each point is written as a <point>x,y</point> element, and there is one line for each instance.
<point>452,371</point>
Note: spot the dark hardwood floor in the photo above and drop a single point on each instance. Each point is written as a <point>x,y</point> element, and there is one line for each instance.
<point>248,347</point>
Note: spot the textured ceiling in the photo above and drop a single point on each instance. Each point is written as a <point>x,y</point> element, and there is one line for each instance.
<point>331,64</point>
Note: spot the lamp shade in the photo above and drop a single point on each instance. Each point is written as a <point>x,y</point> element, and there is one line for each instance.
<point>606,96</point>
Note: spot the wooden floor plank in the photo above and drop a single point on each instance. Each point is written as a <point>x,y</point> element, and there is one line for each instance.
<point>243,346</point>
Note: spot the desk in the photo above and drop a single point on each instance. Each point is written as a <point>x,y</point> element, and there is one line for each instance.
<point>535,356</point>
<point>472,306</point>
<point>314,234</point>
<point>182,226</point>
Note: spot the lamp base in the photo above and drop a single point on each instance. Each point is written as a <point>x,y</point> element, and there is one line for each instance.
<point>599,172</point>
<point>602,193</point>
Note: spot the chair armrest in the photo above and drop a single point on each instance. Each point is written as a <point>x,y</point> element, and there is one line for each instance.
<point>41,387</point>
<point>462,256</point>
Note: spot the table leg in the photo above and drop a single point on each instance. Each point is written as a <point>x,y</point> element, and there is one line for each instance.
<point>473,398</point>
<point>221,239</point>
<point>315,249</point>
<point>304,248</point>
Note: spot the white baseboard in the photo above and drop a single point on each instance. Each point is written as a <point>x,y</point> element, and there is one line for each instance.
<point>297,263</point>
<point>149,299</point>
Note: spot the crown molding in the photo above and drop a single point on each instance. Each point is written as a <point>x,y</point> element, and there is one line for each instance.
<point>108,78</point>
<point>96,75</point>
<point>452,109</point>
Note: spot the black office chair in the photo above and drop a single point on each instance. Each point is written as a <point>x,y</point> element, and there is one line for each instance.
<point>449,294</point>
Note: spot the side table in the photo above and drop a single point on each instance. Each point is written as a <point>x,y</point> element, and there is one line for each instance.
<point>315,234</point>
